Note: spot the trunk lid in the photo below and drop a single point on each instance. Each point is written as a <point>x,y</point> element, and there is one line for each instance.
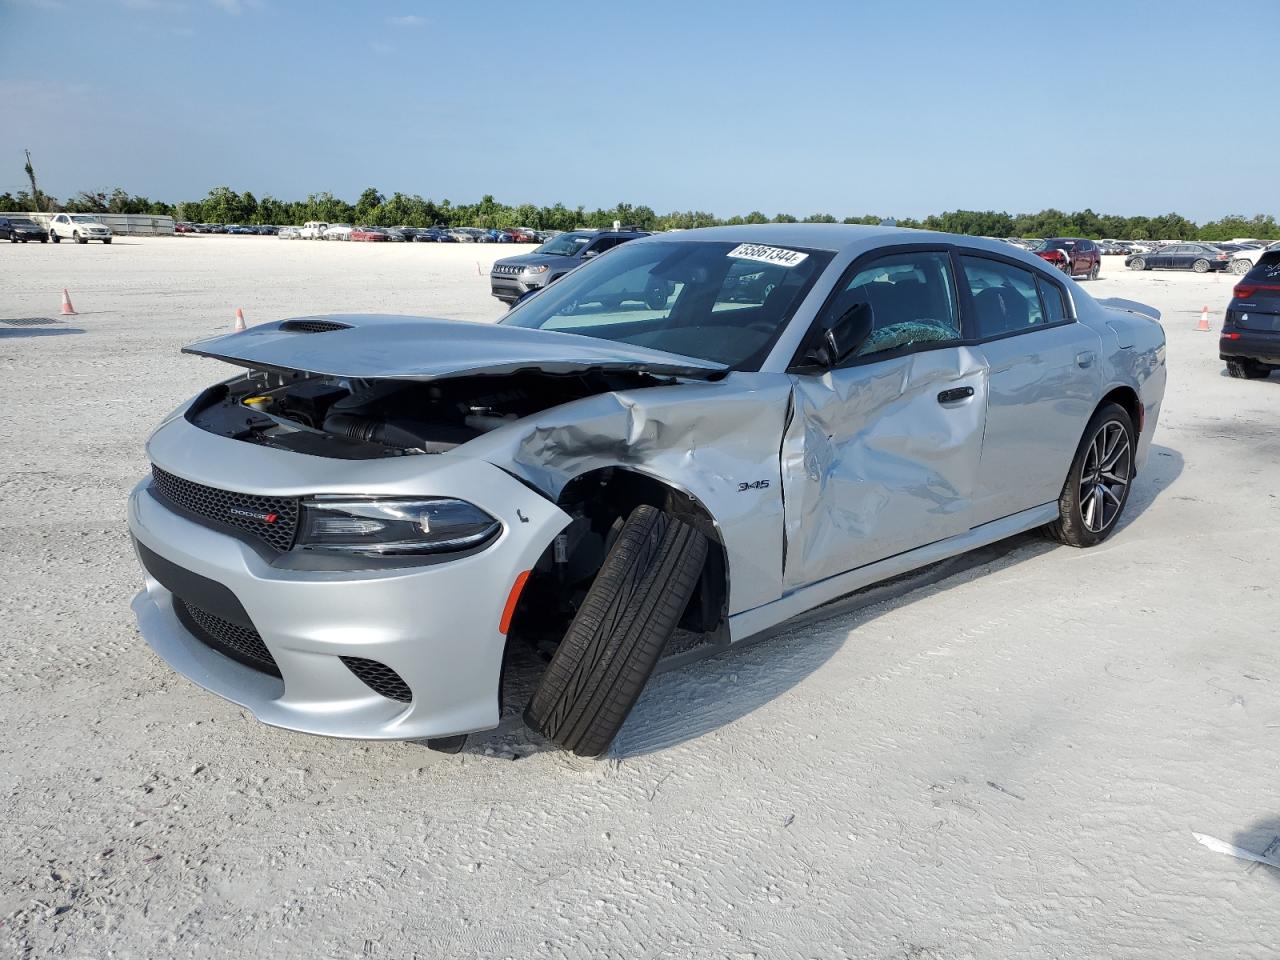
<point>371,347</point>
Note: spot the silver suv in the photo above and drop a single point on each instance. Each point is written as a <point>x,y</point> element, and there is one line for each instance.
<point>513,277</point>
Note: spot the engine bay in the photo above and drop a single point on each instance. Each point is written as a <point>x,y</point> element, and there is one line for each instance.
<point>354,419</point>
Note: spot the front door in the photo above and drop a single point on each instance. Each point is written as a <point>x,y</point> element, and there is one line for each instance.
<point>1043,382</point>
<point>881,454</point>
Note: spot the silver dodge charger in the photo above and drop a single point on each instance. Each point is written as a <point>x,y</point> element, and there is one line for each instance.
<point>674,449</point>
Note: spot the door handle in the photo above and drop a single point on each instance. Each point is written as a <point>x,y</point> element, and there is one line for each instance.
<point>955,395</point>
<point>1085,359</point>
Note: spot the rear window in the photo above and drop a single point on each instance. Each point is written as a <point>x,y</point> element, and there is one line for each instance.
<point>1267,268</point>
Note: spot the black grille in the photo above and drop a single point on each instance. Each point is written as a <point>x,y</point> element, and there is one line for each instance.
<point>242,511</point>
<point>239,643</point>
<point>313,326</point>
<point>379,678</point>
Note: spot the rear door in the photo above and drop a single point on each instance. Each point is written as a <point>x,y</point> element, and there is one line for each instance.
<point>1043,382</point>
<point>1084,256</point>
<point>881,454</point>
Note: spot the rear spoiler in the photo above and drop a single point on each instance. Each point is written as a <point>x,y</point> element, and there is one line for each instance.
<point>1130,306</point>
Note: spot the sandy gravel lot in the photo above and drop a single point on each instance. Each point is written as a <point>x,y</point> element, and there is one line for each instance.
<point>1009,762</point>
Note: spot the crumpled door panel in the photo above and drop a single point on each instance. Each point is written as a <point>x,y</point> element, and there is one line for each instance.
<point>873,464</point>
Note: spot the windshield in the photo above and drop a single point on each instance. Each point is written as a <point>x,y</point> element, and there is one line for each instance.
<point>566,245</point>
<point>84,219</point>
<point>1053,245</point>
<point>21,222</point>
<point>724,302</point>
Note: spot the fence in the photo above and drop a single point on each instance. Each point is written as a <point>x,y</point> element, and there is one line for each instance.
<point>138,224</point>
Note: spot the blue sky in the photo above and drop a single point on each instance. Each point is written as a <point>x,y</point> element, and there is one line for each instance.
<point>896,108</point>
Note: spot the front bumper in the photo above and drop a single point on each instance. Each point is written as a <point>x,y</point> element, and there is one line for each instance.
<point>437,626</point>
<point>511,287</point>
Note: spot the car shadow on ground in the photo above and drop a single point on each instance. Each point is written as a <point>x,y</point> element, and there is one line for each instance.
<point>1263,839</point>
<point>1273,379</point>
<point>690,701</point>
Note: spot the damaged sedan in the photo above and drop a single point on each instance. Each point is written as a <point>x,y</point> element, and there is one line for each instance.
<point>676,448</point>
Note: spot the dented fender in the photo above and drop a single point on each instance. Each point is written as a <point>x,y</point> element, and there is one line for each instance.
<point>717,442</point>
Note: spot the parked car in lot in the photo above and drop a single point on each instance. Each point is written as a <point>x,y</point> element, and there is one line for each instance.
<point>1243,259</point>
<point>435,235</point>
<point>1074,256</point>
<point>369,234</point>
<point>347,537</point>
<point>313,230</point>
<point>183,227</point>
<point>21,229</point>
<point>80,227</point>
<point>1250,340</point>
<point>289,233</point>
<point>338,231</point>
<point>513,277</point>
<point>240,229</point>
<point>1200,257</point>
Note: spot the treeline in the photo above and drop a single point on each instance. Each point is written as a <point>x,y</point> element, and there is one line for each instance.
<point>224,205</point>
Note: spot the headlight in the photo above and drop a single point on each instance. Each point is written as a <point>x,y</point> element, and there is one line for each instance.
<point>392,528</point>
<point>540,268</point>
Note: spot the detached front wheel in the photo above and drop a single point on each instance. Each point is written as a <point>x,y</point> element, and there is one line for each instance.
<point>630,611</point>
<point>1097,486</point>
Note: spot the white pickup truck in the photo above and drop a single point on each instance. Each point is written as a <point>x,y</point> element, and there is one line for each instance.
<point>313,230</point>
<point>80,227</point>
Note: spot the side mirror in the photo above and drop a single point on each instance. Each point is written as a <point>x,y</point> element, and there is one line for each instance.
<point>845,336</point>
<point>587,254</point>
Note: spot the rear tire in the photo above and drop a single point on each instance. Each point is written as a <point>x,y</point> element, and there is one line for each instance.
<point>1201,266</point>
<point>1247,369</point>
<point>1099,480</point>
<point>609,651</point>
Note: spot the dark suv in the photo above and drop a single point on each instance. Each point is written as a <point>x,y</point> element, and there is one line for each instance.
<point>1250,340</point>
<point>513,277</point>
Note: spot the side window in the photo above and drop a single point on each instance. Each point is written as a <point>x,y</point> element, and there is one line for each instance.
<point>1005,299</point>
<point>1055,308</point>
<point>912,299</point>
<point>601,245</point>
<point>1085,246</point>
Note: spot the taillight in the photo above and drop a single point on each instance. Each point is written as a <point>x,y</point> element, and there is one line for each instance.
<point>1231,336</point>
<point>1242,291</point>
<point>1221,256</point>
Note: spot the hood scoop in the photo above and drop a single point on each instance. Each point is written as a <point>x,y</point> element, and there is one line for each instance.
<point>371,347</point>
<point>308,325</point>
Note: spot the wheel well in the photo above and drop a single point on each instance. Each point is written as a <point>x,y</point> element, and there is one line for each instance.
<point>598,502</point>
<point>1127,398</point>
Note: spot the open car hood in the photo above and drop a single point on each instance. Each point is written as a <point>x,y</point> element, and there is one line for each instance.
<point>370,347</point>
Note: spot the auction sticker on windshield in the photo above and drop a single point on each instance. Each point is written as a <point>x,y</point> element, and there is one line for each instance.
<point>774,255</point>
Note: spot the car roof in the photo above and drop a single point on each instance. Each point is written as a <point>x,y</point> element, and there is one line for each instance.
<point>835,237</point>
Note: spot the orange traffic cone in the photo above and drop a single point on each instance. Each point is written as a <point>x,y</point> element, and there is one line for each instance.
<point>239,325</point>
<point>1203,325</point>
<point>67,309</point>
